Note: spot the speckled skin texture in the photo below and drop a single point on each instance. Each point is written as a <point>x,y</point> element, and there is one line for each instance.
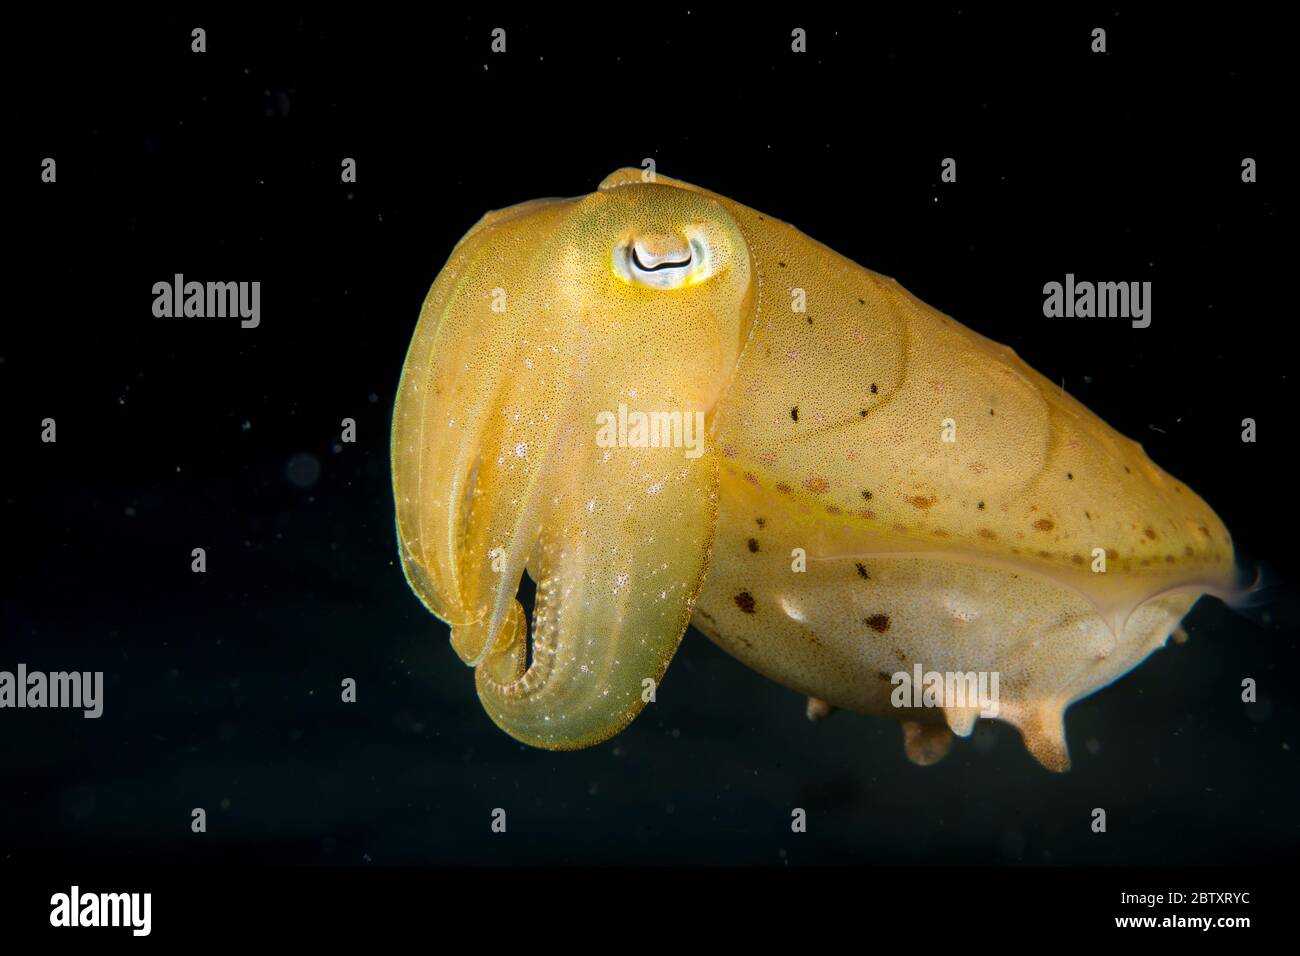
<point>879,486</point>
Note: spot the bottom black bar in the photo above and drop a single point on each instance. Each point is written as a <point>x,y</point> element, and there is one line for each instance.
<point>977,905</point>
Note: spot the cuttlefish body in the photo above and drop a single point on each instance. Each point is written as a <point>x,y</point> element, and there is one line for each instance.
<point>670,409</point>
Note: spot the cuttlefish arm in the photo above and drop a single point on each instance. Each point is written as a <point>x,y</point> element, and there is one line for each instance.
<point>547,318</point>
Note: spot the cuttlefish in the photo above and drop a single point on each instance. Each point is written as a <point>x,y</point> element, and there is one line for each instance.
<point>669,409</point>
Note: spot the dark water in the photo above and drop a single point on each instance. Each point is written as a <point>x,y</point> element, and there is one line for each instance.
<point>222,689</point>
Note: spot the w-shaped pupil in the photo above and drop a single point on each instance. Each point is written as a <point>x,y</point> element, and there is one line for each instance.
<point>667,264</point>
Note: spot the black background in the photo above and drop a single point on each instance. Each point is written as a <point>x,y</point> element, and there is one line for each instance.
<point>222,689</point>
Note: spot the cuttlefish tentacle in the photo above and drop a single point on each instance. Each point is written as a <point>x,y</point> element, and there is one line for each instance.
<point>850,485</point>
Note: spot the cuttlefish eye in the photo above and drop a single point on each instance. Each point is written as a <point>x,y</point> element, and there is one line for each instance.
<point>664,260</point>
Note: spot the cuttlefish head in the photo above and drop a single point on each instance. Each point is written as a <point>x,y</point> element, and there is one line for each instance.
<point>554,415</point>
